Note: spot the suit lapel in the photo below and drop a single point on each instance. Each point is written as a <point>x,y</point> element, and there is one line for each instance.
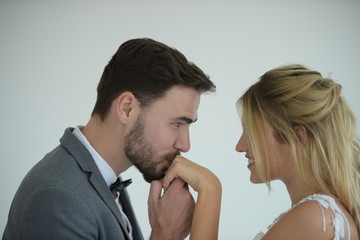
<point>125,202</point>
<point>104,192</point>
<point>87,164</point>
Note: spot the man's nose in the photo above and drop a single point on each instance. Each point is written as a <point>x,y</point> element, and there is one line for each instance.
<point>182,142</point>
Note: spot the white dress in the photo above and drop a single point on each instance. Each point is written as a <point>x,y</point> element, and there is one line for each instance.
<point>340,222</point>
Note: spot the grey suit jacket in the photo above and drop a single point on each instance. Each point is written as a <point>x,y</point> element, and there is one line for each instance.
<point>64,196</point>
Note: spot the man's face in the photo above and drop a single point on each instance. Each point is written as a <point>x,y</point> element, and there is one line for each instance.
<point>162,131</point>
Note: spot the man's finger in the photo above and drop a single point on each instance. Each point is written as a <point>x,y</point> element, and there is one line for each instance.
<point>177,183</point>
<point>155,191</point>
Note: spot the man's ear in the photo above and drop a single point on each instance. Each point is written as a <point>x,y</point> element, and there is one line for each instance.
<point>125,104</point>
<point>301,133</point>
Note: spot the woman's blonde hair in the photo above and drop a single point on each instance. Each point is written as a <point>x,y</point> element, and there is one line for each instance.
<point>294,95</point>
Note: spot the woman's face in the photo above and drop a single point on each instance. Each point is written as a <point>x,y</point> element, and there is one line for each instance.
<point>278,157</point>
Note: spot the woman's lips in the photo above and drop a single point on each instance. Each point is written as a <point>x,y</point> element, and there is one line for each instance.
<point>251,162</point>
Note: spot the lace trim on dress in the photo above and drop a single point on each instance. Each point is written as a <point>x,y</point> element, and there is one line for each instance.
<point>339,220</point>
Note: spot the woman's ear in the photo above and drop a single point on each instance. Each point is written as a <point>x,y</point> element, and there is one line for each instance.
<point>301,133</point>
<point>125,104</point>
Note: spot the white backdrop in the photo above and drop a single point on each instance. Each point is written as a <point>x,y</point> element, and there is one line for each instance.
<point>52,54</point>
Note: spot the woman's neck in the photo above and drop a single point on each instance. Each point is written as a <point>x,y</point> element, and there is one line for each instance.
<point>298,189</point>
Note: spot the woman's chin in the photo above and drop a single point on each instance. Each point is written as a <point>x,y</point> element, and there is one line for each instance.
<point>255,179</point>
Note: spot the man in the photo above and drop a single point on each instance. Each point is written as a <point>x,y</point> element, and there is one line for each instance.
<point>148,96</point>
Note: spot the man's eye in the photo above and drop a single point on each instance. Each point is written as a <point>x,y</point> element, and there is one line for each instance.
<point>177,124</point>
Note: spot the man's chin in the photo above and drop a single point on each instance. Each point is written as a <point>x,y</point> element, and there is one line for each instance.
<point>150,178</point>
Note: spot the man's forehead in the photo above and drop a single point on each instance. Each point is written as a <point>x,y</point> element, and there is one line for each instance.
<point>181,96</point>
<point>179,102</point>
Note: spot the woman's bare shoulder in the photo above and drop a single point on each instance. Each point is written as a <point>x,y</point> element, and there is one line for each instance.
<point>308,220</point>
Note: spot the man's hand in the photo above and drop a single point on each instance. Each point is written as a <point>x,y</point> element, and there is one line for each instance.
<point>170,215</point>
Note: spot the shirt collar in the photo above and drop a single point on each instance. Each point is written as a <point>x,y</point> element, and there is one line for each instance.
<point>106,171</point>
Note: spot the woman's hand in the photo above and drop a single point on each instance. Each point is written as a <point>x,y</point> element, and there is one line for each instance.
<point>205,222</point>
<point>198,177</point>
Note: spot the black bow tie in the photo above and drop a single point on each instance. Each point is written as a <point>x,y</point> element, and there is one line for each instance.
<point>119,185</point>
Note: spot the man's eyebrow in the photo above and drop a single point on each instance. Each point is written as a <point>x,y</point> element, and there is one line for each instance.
<point>185,119</point>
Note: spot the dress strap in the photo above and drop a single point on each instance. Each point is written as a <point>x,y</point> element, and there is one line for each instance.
<point>340,221</point>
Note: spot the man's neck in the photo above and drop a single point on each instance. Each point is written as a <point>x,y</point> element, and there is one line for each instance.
<point>108,140</point>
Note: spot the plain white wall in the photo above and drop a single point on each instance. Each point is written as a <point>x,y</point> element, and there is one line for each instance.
<point>52,54</point>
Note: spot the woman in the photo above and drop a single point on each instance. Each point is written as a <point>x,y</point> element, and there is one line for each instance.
<point>298,129</point>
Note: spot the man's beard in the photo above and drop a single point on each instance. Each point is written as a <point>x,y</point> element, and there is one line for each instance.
<point>143,155</point>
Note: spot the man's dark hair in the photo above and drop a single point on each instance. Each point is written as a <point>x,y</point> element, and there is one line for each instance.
<point>147,69</point>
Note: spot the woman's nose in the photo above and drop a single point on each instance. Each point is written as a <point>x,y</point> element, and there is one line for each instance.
<point>241,145</point>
